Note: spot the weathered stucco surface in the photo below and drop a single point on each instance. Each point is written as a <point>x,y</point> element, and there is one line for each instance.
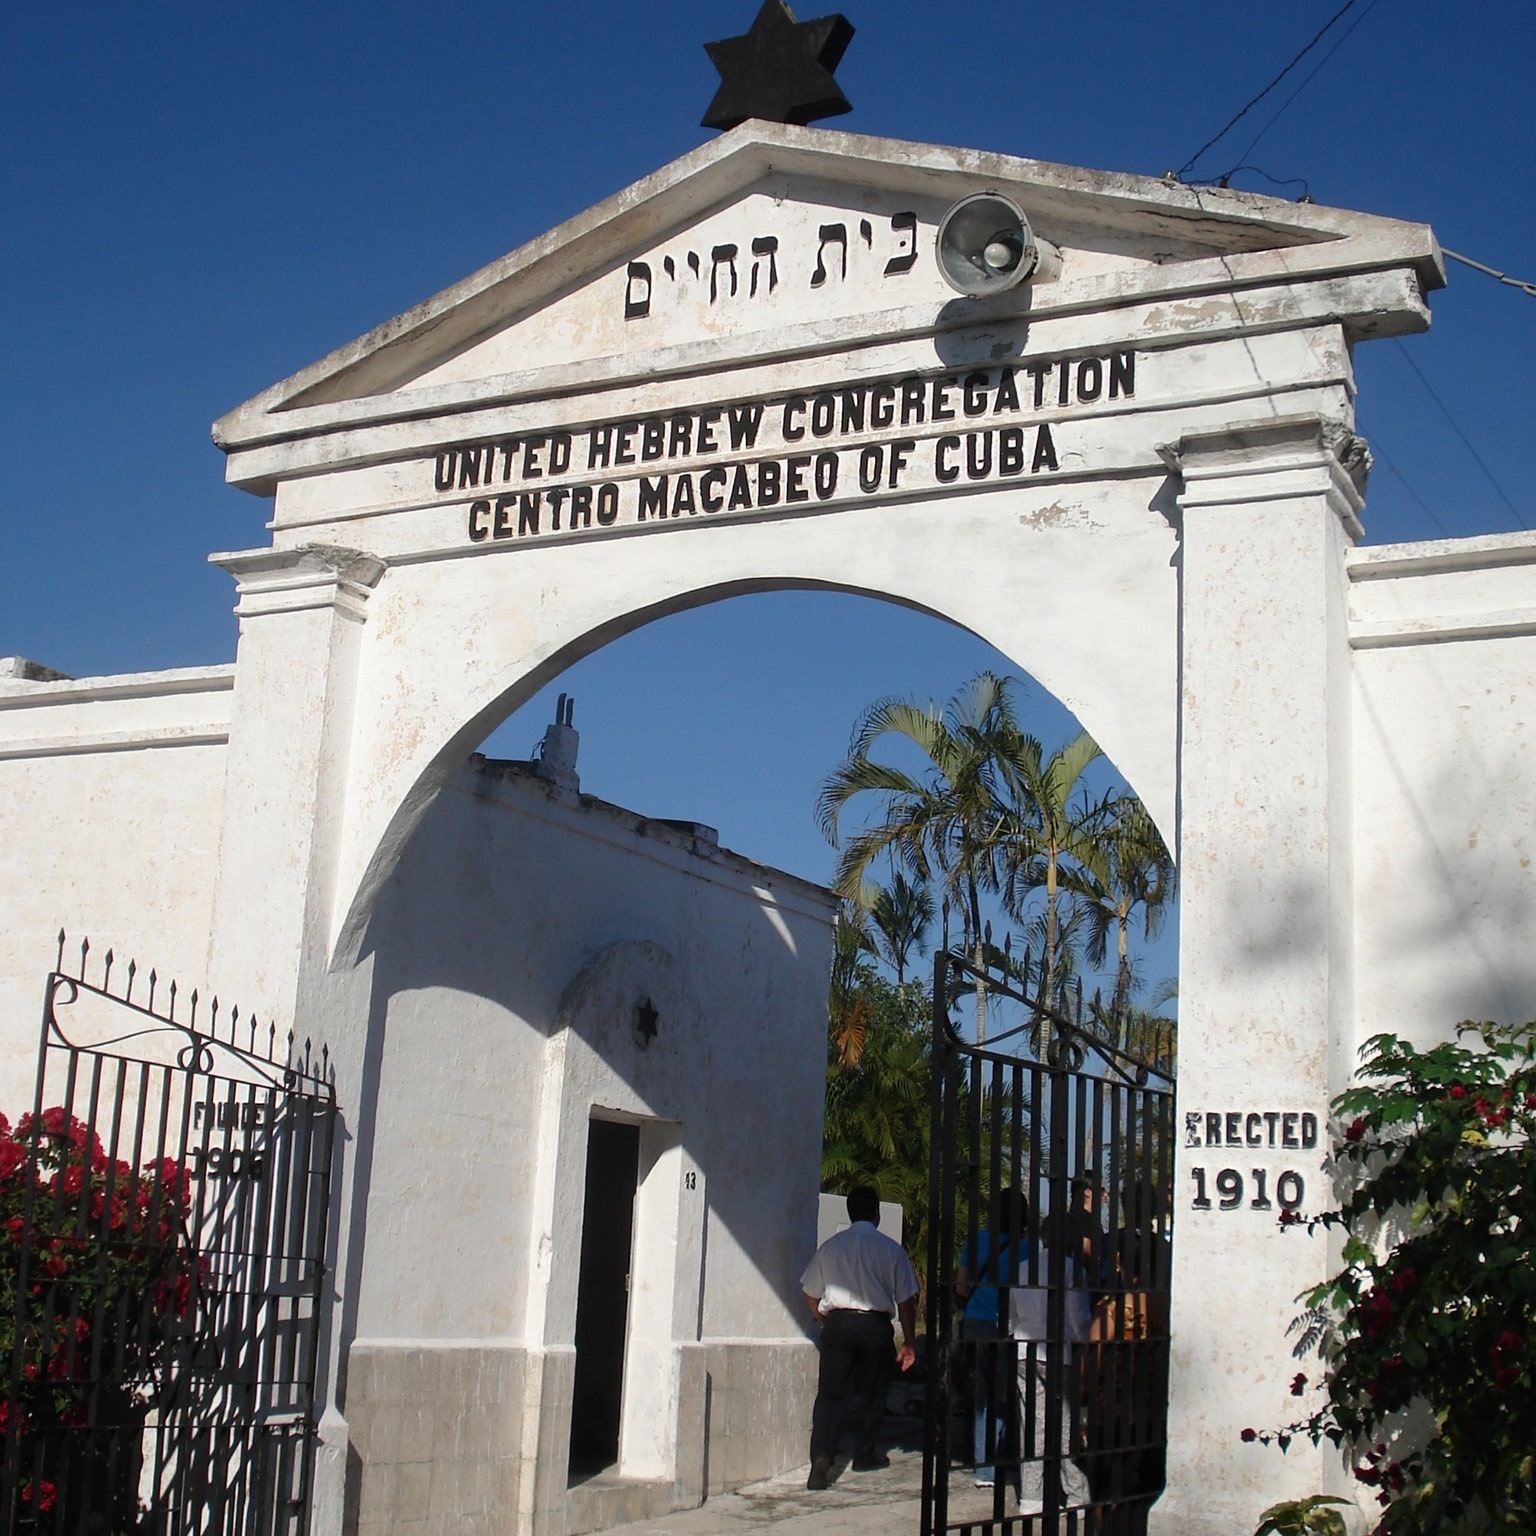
<point>1139,480</point>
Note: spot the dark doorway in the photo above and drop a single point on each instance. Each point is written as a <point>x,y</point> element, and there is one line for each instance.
<point>602,1295</point>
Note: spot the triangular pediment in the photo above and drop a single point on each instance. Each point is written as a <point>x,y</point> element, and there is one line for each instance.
<point>775,240</point>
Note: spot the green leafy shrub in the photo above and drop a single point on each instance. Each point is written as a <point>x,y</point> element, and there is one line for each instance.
<point>1428,1333</point>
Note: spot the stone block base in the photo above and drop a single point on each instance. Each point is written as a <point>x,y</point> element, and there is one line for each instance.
<point>473,1438</point>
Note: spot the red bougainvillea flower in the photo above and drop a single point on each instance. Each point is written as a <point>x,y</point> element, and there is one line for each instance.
<point>1374,1313</point>
<point>1457,1091</point>
<point>71,1181</point>
<point>46,1494</point>
<point>1356,1130</point>
<point>1289,1218</point>
<point>1506,1376</point>
<point>1248,1436</point>
<point>1405,1279</point>
<point>1298,1385</point>
<point>11,1158</point>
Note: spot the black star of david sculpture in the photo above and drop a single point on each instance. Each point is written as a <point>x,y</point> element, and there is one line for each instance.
<point>780,71</point>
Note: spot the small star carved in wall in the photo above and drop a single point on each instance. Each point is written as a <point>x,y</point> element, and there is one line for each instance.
<point>780,71</point>
<point>645,1022</point>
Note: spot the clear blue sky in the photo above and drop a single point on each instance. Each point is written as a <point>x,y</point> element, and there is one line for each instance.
<point>199,200</point>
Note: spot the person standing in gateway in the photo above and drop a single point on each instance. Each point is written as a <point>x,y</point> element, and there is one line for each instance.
<point>858,1280</point>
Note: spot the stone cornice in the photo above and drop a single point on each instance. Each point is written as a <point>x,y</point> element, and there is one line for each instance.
<point>1265,461</point>
<point>312,576</point>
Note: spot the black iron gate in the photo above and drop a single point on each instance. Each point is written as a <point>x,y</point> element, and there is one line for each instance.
<point>161,1267</point>
<point>1049,1263</point>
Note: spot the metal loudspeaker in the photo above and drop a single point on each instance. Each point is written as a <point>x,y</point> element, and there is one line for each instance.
<point>985,246</point>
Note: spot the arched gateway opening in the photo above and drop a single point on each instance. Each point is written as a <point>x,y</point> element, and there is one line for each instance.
<point>531,857</point>
<point>747,373</point>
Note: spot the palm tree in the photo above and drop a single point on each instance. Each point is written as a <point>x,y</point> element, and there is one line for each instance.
<point>1052,833</point>
<point>901,913</point>
<point>847,1001</point>
<point>1130,870</point>
<point>946,824</point>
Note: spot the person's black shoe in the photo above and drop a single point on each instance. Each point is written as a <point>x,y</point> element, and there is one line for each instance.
<point>820,1473</point>
<point>876,1461</point>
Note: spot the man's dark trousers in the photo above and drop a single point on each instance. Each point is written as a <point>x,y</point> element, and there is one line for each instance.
<point>857,1351</point>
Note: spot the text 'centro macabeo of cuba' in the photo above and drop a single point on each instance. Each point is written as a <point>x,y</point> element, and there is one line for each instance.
<point>914,435</point>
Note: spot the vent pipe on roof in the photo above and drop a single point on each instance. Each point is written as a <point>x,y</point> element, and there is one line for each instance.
<point>557,752</point>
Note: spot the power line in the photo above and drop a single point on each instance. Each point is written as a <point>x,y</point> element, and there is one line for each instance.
<point>1377,451</point>
<point>1514,282</point>
<point>1339,43</point>
<point>1467,442</point>
<point>1349,5</point>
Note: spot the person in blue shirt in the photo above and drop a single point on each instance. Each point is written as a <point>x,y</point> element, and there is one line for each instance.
<point>994,1254</point>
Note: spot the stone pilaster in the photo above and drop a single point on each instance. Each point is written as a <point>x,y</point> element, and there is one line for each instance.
<point>1265,963</point>
<point>301,615</point>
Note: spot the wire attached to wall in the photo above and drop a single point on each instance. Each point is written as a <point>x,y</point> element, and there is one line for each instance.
<point>1514,282</point>
<point>1343,10</point>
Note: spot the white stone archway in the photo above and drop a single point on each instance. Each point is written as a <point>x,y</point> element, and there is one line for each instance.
<point>1159,437</point>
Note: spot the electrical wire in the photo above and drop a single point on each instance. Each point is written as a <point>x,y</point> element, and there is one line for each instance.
<point>1514,282</point>
<point>1466,441</point>
<point>1349,5</point>
<point>1378,452</point>
<point>1339,43</point>
<point>1258,170</point>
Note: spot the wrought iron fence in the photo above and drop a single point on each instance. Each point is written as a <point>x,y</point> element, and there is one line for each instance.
<point>165,1205</point>
<point>1049,1268</point>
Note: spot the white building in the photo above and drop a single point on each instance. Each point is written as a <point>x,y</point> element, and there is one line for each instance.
<point>747,372</point>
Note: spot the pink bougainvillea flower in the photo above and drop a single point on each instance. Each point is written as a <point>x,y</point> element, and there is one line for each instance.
<point>1248,1436</point>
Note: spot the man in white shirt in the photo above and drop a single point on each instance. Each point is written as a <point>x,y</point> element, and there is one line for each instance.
<point>856,1282</point>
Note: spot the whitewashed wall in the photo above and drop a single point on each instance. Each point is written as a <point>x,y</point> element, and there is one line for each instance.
<point>110,803</point>
<point>1335,738</point>
<point>510,947</point>
<point>1445,782</point>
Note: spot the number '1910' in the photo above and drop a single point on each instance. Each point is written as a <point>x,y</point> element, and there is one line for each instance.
<point>1290,1190</point>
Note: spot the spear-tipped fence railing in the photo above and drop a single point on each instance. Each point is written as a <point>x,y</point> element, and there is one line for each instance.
<point>166,1203</point>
